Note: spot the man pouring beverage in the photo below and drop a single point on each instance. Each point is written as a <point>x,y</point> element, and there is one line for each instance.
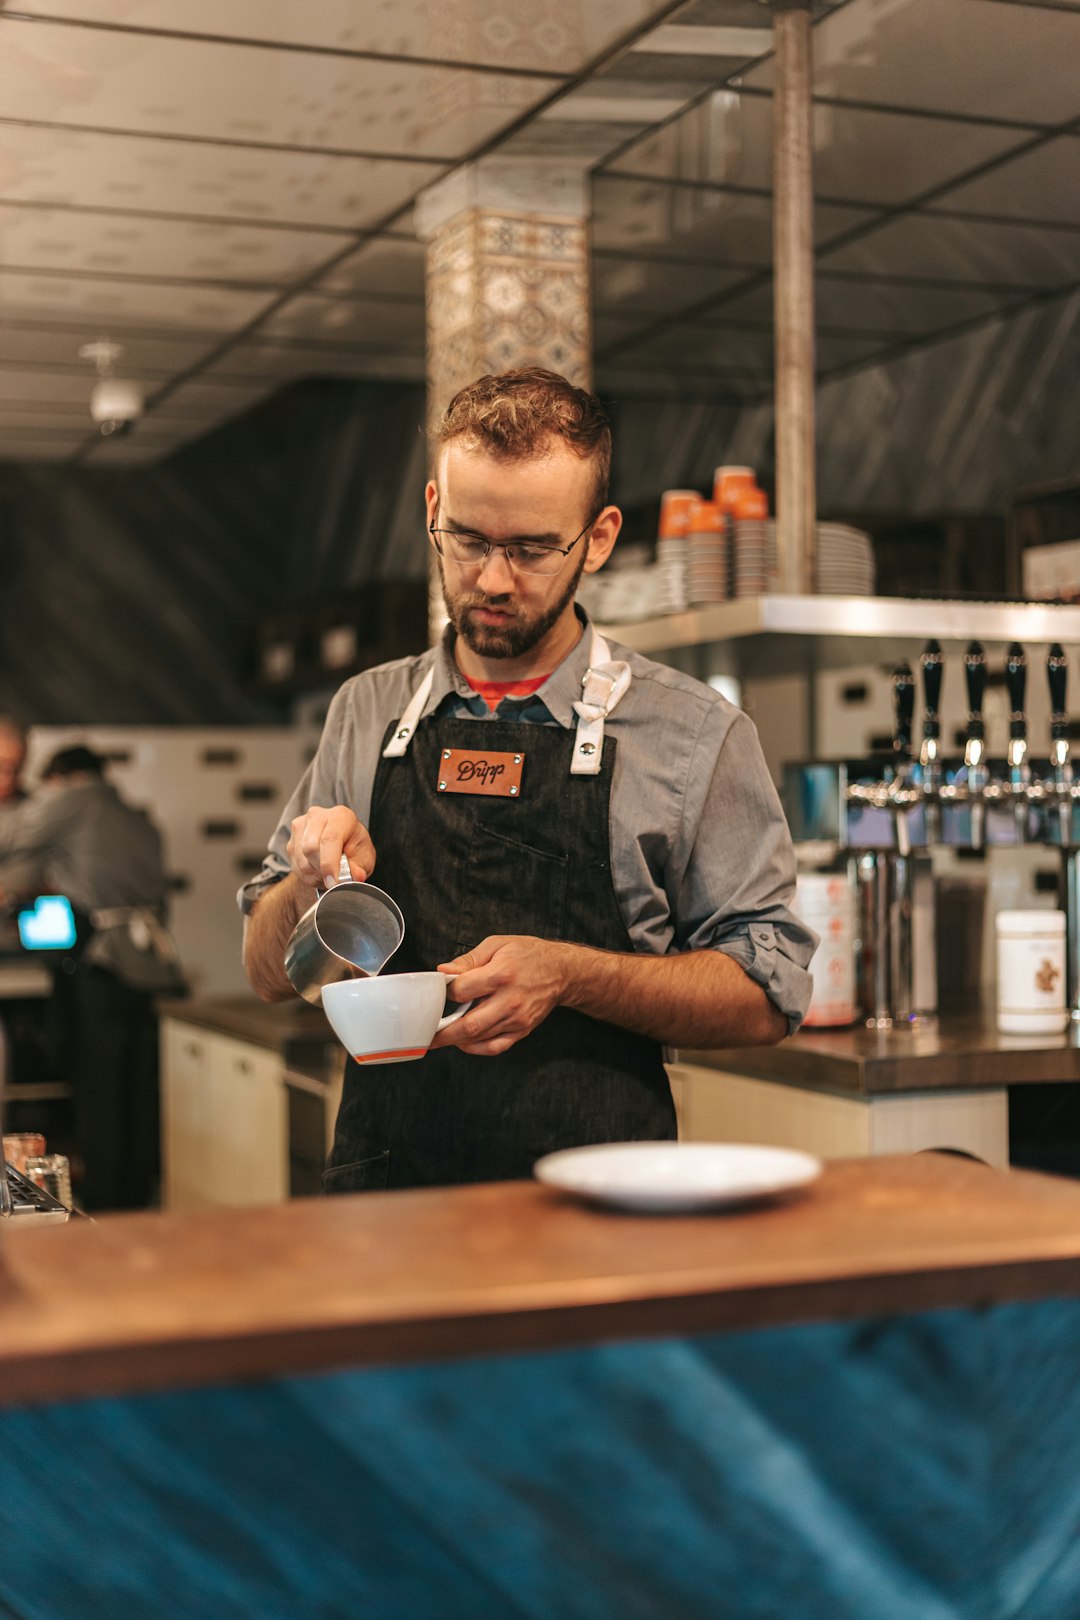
<point>588,841</point>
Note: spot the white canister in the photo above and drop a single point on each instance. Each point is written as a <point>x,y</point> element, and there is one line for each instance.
<point>1031,972</point>
<point>824,901</point>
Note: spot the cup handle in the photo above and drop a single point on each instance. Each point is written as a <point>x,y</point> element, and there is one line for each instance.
<point>458,1012</point>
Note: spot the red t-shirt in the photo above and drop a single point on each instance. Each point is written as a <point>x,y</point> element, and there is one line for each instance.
<point>493,692</point>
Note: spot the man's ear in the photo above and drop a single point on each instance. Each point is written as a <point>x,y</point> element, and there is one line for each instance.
<point>602,538</point>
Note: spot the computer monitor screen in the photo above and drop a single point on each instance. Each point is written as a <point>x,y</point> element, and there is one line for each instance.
<point>47,925</point>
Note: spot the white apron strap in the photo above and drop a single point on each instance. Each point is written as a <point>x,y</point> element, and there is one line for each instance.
<point>402,736</point>
<point>603,685</point>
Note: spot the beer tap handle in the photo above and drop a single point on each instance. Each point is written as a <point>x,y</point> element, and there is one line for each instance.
<point>933,669</point>
<point>1016,681</point>
<point>904,699</point>
<point>975,674</point>
<point>1057,673</point>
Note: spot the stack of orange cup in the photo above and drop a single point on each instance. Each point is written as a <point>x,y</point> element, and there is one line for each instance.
<point>706,568</point>
<point>729,483</point>
<point>677,506</point>
<point>755,542</point>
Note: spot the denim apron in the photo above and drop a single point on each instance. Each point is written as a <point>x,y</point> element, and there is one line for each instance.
<point>464,867</point>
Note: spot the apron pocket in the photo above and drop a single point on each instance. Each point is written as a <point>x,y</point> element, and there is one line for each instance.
<point>364,1175</point>
<point>511,888</point>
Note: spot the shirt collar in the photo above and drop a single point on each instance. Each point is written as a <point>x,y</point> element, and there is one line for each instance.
<point>559,692</point>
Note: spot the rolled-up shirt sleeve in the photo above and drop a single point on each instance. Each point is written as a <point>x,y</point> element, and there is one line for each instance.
<point>739,874</point>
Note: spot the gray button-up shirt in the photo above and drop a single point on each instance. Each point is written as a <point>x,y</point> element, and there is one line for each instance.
<point>701,857</point>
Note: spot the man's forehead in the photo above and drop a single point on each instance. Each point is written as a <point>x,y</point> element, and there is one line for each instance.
<point>553,473</point>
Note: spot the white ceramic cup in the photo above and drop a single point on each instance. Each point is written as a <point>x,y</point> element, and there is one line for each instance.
<point>391,1019</point>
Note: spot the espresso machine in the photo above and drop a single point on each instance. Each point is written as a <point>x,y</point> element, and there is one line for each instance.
<point>889,812</point>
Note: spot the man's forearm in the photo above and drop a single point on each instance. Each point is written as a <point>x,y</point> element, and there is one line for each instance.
<point>701,999</point>
<point>271,921</point>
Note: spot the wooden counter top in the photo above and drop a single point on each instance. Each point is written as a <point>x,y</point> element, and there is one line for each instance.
<point>955,1053</point>
<point>146,1301</point>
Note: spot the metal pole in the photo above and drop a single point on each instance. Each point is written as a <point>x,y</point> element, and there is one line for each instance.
<point>793,273</point>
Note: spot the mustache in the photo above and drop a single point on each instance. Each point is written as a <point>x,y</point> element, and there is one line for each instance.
<point>477,599</point>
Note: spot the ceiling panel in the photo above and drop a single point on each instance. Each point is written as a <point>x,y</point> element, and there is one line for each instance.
<point>56,239</point>
<point>60,344</point>
<point>162,305</point>
<point>1041,184</point>
<point>552,36</point>
<point>859,156</point>
<point>962,56</point>
<point>636,216</point>
<point>658,382</point>
<point>734,349</point>
<point>964,250</point>
<point>861,304</point>
<point>202,402</point>
<point>238,92</point>
<point>691,346</point>
<point>623,285</point>
<point>352,320</point>
<point>279,363</point>
<point>139,172</point>
<point>387,264</point>
<point>30,446</point>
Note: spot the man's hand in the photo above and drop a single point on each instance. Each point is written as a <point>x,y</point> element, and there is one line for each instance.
<point>699,999</point>
<point>318,840</point>
<point>516,981</point>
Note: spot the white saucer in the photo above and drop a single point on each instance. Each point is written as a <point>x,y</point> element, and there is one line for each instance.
<point>676,1175</point>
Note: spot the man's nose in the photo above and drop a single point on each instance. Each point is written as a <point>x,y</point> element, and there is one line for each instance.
<point>495,573</point>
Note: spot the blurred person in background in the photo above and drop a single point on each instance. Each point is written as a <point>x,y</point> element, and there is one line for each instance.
<point>12,760</point>
<point>75,836</point>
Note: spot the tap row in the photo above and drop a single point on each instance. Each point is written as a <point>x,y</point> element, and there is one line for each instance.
<point>928,779</point>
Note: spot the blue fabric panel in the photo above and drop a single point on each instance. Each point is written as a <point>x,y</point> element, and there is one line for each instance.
<point>917,1468</point>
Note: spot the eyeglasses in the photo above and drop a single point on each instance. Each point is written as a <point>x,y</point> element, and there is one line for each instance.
<point>523,556</point>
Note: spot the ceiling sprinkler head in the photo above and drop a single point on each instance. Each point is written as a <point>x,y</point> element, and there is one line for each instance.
<point>103,353</point>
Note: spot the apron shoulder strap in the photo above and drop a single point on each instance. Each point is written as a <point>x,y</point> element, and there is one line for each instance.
<point>603,686</point>
<point>402,737</point>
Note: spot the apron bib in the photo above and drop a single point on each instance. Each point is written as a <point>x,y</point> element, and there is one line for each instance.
<point>464,866</point>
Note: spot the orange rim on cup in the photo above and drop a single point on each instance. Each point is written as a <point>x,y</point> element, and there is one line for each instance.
<point>750,503</point>
<point>728,481</point>
<point>677,507</point>
<point>706,518</point>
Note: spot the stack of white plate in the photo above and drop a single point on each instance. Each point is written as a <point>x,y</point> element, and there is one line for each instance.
<point>755,556</point>
<point>669,575</point>
<point>706,567</point>
<point>845,561</point>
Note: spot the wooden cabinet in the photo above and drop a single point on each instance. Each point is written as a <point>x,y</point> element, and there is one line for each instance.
<point>224,1120</point>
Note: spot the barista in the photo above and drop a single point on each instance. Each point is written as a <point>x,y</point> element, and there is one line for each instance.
<point>627,887</point>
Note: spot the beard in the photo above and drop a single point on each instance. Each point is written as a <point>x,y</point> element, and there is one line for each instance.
<point>520,634</point>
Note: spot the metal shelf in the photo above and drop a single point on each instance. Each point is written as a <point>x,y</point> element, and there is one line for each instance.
<point>781,634</point>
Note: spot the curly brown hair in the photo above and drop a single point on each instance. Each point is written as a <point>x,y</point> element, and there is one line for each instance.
<point>514,415</point>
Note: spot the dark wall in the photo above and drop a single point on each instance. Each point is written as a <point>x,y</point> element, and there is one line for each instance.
<point>132,596</point>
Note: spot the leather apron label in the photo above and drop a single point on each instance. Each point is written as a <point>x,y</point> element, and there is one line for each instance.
<point>466,770</point>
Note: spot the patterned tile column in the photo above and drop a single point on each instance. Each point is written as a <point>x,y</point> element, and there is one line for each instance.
<point>507,278</point>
